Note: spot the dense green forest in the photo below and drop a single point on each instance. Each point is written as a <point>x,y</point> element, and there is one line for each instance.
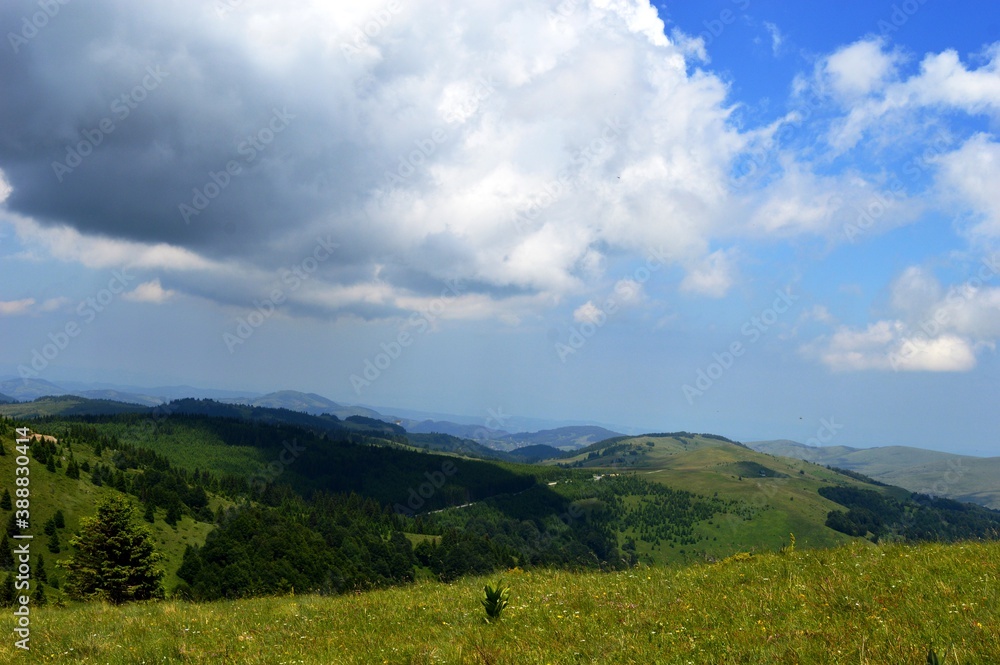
<point>917,518</point>
<point>331,544</point>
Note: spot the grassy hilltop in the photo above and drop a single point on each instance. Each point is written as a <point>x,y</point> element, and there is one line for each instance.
<point>782,490</point>
<point>854,604</point>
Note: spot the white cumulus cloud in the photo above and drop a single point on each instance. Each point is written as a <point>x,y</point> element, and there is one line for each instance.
<point>936,329</point>
<point>970,177</point>
<point>889,345</point>
<point>943,83</point>
<point>15,307</point>
<point>712,277</point>
<point>588,312</point>
<point>859,69</point>
<point>151,292</point>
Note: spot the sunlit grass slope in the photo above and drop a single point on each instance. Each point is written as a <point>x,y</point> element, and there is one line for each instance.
<point>784,491</point>
<point>854,604</point>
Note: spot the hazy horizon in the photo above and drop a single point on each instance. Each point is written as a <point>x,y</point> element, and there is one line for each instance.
<point>497,419</point>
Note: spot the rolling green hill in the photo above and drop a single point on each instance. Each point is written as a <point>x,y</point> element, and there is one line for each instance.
<point>326,454</point>
<point>959,477</point>
<point>76,498</point>
<point>446,443</point>
<point>783,491</point>
<point>537,452</point>
<point>854,604</point>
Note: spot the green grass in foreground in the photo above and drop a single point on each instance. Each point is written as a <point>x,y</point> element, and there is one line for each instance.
<point>854,604</point>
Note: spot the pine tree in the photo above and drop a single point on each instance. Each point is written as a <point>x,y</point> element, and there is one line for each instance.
<point>173,514</point>
<point>190,565</point>
<point>50,466</point>
<point>59,520</point>
<point>53,543</point>
<point>85,467</point>
<point>50,526</point>
<point>115,557</point>
<point>6,555</point>
<point>40,598</point>
<point>5,503</point>
<point>150,514</point>
<point>40,573</point>
<point>73,470</point>
<point>95,477</point>
<point>12,528</point>
<point>7,592</point>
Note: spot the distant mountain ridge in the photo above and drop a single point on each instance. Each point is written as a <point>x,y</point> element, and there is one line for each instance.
<point>310,403</point>
<point>958,477</point>
<point>475,432</point>
<point>511,432</point>
<point>117,396</point>
<point>29,389</point>
<point>68,405</point>
<point>288,399</point>
<point>163,393</point>
<point>952,476</point>
<point>74,405</point>
<point>326,415</point>
<point>568,438</point>
<point>560,439</point>
<point>26,390</point>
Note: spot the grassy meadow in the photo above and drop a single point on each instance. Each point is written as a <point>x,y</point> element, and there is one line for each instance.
<point>858,603</point>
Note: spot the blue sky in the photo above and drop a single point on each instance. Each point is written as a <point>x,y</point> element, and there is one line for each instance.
<point>742,217</point>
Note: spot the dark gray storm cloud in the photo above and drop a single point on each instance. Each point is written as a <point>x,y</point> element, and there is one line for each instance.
<point>415,135</point>
<point>152,124</point>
